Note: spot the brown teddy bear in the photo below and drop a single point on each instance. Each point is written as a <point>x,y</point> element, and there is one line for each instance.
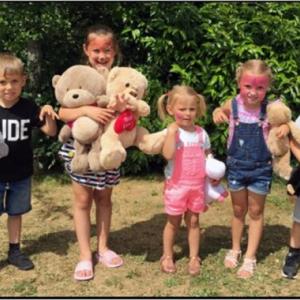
<point>82,85</point>
<point>123,132</point>
<point>278,113</point>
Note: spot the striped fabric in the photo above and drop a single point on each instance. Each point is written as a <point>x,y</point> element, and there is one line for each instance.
<point>96,180</point>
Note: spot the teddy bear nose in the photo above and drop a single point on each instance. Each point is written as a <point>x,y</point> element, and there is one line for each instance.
<point>75,96</point>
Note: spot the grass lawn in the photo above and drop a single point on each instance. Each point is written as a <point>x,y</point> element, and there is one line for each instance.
<point>137,225</point>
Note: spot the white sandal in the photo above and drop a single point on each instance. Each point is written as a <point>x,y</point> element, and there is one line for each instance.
<point>247,269</point>
<point>232,258</point>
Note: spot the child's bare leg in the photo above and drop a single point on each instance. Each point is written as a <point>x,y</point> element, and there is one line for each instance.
<point>240,206</point>
<point>295,235</point>
<point>169,233</point>
<point>14,224</point>
<point>103,217</point>
<point>256,204</point>
<point>256,222</point>
<point>192,223</point>
<point>82,206</point>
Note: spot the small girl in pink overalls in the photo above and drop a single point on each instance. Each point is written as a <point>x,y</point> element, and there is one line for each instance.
<point>186,146</point>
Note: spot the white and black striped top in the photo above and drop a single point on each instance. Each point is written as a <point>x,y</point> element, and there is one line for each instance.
<point>97,180</point>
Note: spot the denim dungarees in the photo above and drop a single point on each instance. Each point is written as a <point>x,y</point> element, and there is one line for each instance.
<point>249,162</point>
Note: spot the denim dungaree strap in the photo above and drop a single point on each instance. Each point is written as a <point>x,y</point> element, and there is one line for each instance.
<point>248,146</point>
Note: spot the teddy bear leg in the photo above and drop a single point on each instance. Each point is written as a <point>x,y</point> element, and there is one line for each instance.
<point>112,155</point>
<point>281,166</point>
<point>64,134</point>
<point>79,163</point>
<point>150,143</point>
<point>94,155</point>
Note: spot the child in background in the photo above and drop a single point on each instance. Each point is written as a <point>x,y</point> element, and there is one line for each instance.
<point>18,117</point>
<point>249,162</point>
<point>186,147</point>
<point>292,260</point>
<point>101,49</point>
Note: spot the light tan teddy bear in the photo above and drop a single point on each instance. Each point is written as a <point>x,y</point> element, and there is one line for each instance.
<point>123,132</point>
<point>278,113</point>
<point>82,85</point>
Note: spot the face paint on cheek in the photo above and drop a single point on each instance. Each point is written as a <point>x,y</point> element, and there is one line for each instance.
<point>178,116</point>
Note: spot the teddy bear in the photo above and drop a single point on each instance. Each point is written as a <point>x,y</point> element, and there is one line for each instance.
<point>214,169</point>
<point>278,113</point>
<point>82,85</point>
<point>124,91</point>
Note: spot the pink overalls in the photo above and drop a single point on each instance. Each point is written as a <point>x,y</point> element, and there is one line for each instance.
<point>185,189</point>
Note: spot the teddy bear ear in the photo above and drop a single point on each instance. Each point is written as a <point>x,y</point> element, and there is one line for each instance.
<point>55,80</point>
<point>113,73</point>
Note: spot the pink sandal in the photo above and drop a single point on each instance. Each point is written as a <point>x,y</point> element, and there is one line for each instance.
<point>84,265</point>
<point>109,258</point>
<point>232,258</point>
<point>247,269</point>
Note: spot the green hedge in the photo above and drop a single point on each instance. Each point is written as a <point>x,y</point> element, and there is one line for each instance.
<point>196,43</point>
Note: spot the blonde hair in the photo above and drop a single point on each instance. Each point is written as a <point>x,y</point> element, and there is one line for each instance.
<point>256,66</point>
<point>171,97</point>
<point>10,64</point>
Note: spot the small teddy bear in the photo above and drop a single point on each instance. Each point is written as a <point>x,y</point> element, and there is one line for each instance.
<point>278,113</point>
<point>81,85</point>
<point>214,169</point>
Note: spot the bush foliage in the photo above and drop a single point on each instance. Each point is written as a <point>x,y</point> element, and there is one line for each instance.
<point>195,43</point>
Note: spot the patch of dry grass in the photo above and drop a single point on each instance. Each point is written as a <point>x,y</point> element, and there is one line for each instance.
<point>137,225</point>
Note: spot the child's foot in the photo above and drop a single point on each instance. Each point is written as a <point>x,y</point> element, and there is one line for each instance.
<point>291,265</point>
<point>20,260</point>
<point>110,259</point>
<point>232,258</point>
<point>194,266</point>
<point>247,269</point>
<point>167,264</point>
<point>84,270</point>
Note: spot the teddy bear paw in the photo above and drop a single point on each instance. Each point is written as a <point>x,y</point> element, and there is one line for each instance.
<point>112,159</point>
<point>79,164</point>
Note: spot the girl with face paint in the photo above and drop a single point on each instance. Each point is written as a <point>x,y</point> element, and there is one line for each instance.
<point>249,162</point>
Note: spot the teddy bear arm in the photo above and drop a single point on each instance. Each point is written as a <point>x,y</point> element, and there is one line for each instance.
<point>217,193</point>
<point>150,143</point>
<point>64,134</point>
<point>143,109</point>
<point>282,167</point>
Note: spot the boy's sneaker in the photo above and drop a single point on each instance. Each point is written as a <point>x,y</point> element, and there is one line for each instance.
<point>20,260</point>
<point>291,265</point>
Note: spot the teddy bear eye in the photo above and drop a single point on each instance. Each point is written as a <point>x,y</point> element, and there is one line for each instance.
<point>127,84</point>
<point>68,90</point>
<point>80,87</point>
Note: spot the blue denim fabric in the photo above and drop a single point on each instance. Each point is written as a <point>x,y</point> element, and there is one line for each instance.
<point>15,197</point>
<point>249,162</point>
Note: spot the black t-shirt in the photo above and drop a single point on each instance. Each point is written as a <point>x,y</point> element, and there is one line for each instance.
<point>16,124</point>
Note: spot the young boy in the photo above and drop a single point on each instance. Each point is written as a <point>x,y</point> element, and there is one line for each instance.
<point>17,118</point>
<point>292,260</point>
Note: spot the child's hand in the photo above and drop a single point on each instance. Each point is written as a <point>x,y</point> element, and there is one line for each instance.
<point>282,131</point>
<point>47,110</point>
<point>99,114</point>
<point>172,128</point>
<point>219,116</point>
<point>214,182</point>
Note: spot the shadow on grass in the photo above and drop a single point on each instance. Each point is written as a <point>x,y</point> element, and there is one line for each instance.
<point>145,238</point>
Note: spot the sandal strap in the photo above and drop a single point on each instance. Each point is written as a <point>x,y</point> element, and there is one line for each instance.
<point>233,255</point>
<point>248,265</point>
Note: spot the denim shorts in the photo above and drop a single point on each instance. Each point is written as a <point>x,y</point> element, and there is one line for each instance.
<point>255,177</point>
<point>296,216</point>
<point>15,197</point>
